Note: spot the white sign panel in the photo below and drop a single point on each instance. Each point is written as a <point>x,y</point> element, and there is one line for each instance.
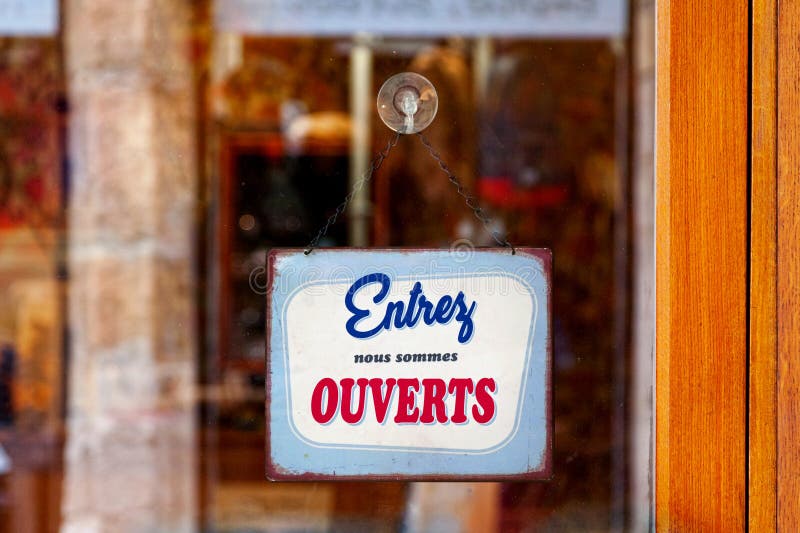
<point>546,18</point>
<point>409,363</point>
<point>28,17</point>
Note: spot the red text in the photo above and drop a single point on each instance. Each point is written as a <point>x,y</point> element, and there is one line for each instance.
<point>417,401</point>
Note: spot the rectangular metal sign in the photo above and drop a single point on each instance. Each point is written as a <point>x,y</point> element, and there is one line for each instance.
<point>546,18</point>
<point>408,364</point>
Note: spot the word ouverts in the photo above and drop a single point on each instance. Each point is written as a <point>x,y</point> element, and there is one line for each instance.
<point>418,401</point>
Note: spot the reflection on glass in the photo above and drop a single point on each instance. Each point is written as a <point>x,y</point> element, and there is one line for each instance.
<point>149,159</point>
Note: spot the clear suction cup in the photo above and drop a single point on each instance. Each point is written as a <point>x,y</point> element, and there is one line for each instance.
<point>407,102</point>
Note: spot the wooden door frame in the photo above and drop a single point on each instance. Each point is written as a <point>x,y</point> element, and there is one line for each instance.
<point>788,267</point>
<point>727,452</point>
<point>762,450</point>
<point>701,265</point>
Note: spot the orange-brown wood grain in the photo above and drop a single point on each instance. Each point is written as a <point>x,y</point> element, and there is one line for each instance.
<point>788,266</point>
<point>701,265</point>
<point>762,460</point>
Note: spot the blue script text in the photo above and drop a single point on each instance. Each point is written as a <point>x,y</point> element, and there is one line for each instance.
<point>407,314</point>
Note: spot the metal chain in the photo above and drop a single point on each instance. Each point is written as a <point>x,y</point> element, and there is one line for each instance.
<point>374,165</point>
<point>470,200</point>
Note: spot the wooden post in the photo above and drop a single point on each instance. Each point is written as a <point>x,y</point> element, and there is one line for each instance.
<point>761,501</point>
<point>788,267</point>
<point>701,265</point>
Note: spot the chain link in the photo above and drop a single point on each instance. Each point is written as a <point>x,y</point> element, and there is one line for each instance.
<point>374,165</point>
<point>470,200</point>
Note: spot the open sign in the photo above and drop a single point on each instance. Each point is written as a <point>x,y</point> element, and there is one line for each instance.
<point>408,364</point>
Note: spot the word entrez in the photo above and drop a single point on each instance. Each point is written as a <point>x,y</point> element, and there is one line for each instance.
<point>401,314</point>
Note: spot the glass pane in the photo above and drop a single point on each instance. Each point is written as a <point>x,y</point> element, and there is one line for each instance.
<point>152,153</point>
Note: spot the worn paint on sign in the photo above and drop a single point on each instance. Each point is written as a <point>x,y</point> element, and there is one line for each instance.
<point>408,364</point>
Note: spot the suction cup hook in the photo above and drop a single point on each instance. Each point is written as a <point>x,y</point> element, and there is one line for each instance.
<point>407,102</point>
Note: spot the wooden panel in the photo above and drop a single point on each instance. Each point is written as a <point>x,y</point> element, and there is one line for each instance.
<point>701,265</point>
<point>762,503</point>
<point>789,266</point>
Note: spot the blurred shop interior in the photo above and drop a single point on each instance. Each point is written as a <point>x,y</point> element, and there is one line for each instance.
<point>152,152</point>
